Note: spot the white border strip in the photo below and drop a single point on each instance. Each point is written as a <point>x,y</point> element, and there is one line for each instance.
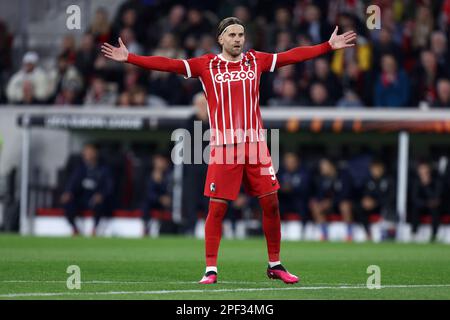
<point>156,292</point>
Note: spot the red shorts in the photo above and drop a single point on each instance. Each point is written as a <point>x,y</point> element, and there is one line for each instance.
<point>229,165</point>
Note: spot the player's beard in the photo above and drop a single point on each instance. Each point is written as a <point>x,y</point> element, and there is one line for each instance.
<point>233,51</point>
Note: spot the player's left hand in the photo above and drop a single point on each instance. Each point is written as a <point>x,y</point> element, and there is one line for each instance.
<point>343,40</point>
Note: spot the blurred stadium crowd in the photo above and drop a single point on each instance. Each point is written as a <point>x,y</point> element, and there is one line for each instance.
<point>314,188</point>
<point>405,63</point>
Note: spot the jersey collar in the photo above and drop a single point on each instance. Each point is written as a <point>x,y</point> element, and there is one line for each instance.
<point>223,59</point>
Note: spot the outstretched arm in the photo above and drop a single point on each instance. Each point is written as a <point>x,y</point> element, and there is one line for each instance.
<point>299,54</point>
<point>158,63</point>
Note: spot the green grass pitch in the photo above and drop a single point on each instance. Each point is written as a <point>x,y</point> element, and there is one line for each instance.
<point>169,268</point>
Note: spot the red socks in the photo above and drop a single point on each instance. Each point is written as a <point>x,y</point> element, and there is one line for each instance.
<point>213,230</point>
<point>271,225</point>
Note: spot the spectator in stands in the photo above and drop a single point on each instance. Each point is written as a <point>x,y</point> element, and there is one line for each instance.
<point>422,28</point>
<point>194,175</point>
<point>332,194</point>
<point>133,76</point>
<point>377,197</point>
<point>425,78</point>
<point>426,198</point>
<point>439,46</point>
<point>390,23</point>
<point>64,76</point>
<point>129,19</point>
<point>277,82</point>
<point>100,94</point>
<point>242,13</point>
<point>443,94</point>
<point>100,27</point>
<point>6,41</point>
<point>172,23</point>
<point>323,75</point>
<point>294,187</point>
<point>196,24</point>
<point>360,54</point>
<point>206,45</point>
<point>282,24</point>
<point>385,45</point>
<point>158,192</point>
<point>359,82</point>
<point>139,97</point>
<point>89,187</point>
<point>29,85</point>
<point>124,100</point>
<point>288,95</point>
<point>283,41</point>
<point>166,85</point>
<point>445,17</point>
<point>85,57</point>
<point>392,85</point>
<point>68,96</point>
<point>169,47</point>
<point>134,97</point>
<point>314,26</point>
<point>68,48</point>
<point>319,96</point>
<point>129,39</point>
<point>349,100</point>
<point>110,72</point>
<point>410,33</point>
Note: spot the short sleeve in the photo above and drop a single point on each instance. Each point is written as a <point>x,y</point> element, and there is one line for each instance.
<point>266,61</point>
<point>195,66</point>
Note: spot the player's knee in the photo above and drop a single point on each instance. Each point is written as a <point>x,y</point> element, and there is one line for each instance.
<point>270,205</point>
<point>219,215</point>
<point>217,209</point>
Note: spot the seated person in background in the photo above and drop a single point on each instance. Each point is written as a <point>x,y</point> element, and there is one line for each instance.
<point>194,174</point>
<point>443,93</point>
<point>425,195</point>
<point>237,209</point>
<point>29,85</point>
<point>89,187</point>
<point>158,192</point>
<point>294,184</point>
<point>332,194</point>
<point>100,93</point>
<point>392,85</point>
<point>377,195</point>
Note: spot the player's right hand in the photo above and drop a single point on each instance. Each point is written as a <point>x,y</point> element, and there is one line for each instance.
<point>118,54</point>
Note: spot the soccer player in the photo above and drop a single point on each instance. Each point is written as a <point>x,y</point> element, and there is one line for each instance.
<point>230,82</point>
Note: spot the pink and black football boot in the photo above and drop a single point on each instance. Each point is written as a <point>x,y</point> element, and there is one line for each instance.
<point>279,272</point>
<point>209,278</point>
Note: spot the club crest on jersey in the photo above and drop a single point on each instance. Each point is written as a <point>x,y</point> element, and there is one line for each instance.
<point>234,76</point>
<point>212,187</point>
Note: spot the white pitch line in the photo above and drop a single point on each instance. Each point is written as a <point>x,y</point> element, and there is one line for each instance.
<point>156,292</point>
<point>130,282</point>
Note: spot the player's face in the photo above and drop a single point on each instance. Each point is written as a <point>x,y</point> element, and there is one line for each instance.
<point>232,40</point>
<point>90,155</point>
<point>377,170</point>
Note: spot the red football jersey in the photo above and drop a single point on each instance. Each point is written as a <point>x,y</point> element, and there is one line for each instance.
<point>232,92</point>
<point>232,87</point>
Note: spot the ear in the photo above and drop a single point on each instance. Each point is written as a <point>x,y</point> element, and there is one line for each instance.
<point>221,40</point>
